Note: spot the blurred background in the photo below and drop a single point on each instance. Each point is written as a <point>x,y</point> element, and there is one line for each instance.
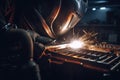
<point>103,18</point>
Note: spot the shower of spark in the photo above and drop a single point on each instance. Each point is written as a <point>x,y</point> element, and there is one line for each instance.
<point>86,41</point>
<point>88,37</point>
<point>76,43</point>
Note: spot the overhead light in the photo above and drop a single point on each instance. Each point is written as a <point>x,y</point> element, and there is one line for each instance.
<point>102,8</point>
<point>102,1</point>
<point>93,9</point>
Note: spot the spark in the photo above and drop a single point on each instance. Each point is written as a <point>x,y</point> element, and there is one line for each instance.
<point>80,42</point>
<point>88,37</point>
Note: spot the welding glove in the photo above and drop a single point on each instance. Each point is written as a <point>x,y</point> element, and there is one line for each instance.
<point>40,39</point>
<point>39,43</point>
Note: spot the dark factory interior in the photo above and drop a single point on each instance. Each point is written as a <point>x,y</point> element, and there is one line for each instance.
<point>59,40</point>
<point>103,15</point>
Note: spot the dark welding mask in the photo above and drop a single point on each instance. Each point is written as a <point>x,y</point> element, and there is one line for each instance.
<point>59,16</point>
<point>64,16</point>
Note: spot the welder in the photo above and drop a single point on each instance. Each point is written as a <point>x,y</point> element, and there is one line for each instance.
<point>27,25</point>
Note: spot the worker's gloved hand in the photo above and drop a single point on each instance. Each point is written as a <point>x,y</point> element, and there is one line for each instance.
<point>43,40</point>
<point>40,39</point>
<point>39,43</point>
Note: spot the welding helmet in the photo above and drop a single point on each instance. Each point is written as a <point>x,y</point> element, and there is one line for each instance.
<point>58,16</point>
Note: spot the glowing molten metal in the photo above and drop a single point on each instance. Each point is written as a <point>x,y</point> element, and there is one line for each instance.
<point>76,44</point>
